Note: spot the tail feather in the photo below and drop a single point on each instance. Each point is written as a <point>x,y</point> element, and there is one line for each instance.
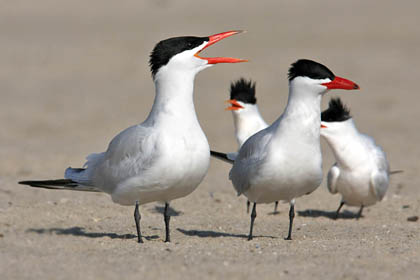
<point>222,156</point>
<point>395,172</point>
<point>78,175</point>
<point>60,184</point>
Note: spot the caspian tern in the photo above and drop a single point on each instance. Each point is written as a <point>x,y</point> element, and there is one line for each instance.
<point>284,161</point>
<point>361,173</point>
<point>246,117</point>
<point>141,163</point>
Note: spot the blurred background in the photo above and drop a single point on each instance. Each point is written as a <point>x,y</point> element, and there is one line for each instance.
<point>75,73</point>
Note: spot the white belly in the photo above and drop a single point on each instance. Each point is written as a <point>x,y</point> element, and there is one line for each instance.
<point>287,180</point>
<point>355,189</point>
<point>180,169</point>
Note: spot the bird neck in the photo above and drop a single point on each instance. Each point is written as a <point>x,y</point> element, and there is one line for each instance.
<point>345,145</point>
<point>174,98</point>
<point>302,115</point>
<point>247,122</point>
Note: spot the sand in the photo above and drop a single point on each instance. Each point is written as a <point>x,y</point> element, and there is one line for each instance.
<point>74,74</point>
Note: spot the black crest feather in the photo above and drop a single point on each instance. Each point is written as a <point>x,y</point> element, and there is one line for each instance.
<point>166,49</point>
<point>311,69</point>
<point>243,90</point>
<point>336,112</point>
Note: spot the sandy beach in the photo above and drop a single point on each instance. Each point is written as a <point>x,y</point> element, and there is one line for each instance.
<point>76,73</point>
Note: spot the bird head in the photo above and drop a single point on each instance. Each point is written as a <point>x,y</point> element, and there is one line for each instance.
<point>335,120</point>
<point>242,96</point>
<point>183,54</point>
<point>314,78</point>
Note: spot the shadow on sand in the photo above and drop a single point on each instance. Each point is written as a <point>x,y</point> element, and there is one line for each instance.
<point>313,213</point>
<point>79,231</point>
<point>161,209</point>
<point>274,213</point>
<point>213,234</point>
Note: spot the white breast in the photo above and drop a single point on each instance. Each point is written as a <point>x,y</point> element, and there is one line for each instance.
<point>180,164</point>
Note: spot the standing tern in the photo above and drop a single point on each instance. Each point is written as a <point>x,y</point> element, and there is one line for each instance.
<point>165,157</point>
<point>361,173</point>
<point>246,116</point>
<point>284,160</point>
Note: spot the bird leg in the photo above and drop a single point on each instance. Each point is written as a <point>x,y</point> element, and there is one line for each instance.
<point>248,203</point>
<point>338,210</point>
<point>137,218</point>
<point>167,218</point>
<point>276,205</point>
<point>253,216</point>
<point>291,217</point>
<point>359,214</point>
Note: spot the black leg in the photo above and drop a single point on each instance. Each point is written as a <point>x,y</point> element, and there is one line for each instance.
<point>276,205</point>
<point>248,203</point>
<point>359,214</point>
<point>338,210</point>
<point>291,217</point>
<point>253,216</point>
<point>167,218</point>
<point>137,218</point>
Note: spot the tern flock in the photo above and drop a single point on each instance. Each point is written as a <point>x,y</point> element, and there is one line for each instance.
<point>167,156</point>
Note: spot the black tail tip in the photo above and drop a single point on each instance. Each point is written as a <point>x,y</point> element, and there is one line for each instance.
<point>24,182</point>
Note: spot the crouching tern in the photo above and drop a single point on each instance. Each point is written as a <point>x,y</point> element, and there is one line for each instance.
<point>165,157</point>
<point>361,173</point>
<point>284,161</point>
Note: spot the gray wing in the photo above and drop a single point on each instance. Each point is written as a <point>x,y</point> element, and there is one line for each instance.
<point>378,153</point>
<point>249,160</point>
<point>332,178</point>
<point>379,181</point>
<point>128,154</point>
<point>232,156</point>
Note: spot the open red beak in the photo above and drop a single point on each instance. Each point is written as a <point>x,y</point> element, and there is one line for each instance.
<point>235,105</point>
<point>323,126</point>
<point>214,39</point>
<point>341,83</point>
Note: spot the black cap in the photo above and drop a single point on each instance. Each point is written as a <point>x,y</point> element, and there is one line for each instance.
<point>243,90</point>
<point>311,69</point>
<point>336,112</point>
<point>166,49</point>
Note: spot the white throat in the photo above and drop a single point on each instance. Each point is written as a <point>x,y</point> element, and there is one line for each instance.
<point>345,144</point>
<point>302,113</point>
<point>174,97</point>
<point>247,122</point>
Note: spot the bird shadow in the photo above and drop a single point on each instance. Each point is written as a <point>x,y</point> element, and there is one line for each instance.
<point>214,234</point>
<point>313,213</point>
<point>171,211</point>
<point>79,231</point>
<point>274,213</point>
